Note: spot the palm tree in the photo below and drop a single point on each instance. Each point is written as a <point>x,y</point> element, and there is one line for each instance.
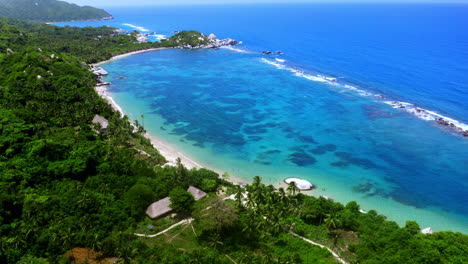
<point>257,181</point>
<point>283,198</point>
<point>292,188</point>
<point>331,221</point>
<point>239,195</point>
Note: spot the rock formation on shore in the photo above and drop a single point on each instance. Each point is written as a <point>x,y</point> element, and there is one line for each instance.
<point>197,40</point>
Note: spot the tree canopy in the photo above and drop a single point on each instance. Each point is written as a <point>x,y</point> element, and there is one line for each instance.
<point>49,11</point>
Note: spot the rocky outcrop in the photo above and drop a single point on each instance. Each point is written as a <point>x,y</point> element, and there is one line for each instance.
<point>99,71</point>
<point>210,42</point>
<point>142,37</point>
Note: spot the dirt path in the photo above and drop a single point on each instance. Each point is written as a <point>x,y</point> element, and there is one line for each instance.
<point>188,220</point>
<point>320,245</point>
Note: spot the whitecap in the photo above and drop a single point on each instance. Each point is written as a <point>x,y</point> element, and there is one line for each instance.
<point>235,49</point>
<point>141,29</point>
<point>159,36</point>
<point>410,108</point>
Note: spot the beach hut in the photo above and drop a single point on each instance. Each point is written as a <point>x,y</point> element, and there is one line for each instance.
<point>163,206</point>
<point>103,123</point>
<point>159,208</point>
<point>197,193</point>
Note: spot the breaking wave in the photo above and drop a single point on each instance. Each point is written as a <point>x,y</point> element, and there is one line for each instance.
<point>410,108</point>
<point>138,28</point>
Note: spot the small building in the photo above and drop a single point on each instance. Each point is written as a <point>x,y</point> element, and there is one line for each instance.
<point>163,206</point>
<point>197,193</point>
<point>102,124</point>
<point>159,208</point>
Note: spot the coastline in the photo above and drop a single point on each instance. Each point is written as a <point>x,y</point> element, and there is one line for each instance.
<point>126,55</point>
<point>171,153</point>
<point>167,150</point>
<point>84,20</point>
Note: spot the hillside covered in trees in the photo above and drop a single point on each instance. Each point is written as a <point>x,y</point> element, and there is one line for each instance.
<point>65,186</point>
<point>49,11</point>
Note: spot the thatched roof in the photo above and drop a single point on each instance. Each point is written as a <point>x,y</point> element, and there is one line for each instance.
<point>101,120</point>
<point>159,208</point>
<point>197,193</point>
<point>163,206</point>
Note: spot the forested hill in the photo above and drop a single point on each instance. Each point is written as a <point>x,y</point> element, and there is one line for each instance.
<point>49,11</point>
<point>71,194</point>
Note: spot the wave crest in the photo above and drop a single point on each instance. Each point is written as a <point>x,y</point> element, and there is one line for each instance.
<point>141,29</point>
<point>419,112</point>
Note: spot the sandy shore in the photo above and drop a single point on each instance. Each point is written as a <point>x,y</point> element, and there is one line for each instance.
<point>126,55</point>
<point>167,150</point>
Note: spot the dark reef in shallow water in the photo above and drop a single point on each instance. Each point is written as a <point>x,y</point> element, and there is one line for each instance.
<point>322,149</point>
<point>302,159</point>
<point>347,159</point>
<point>307,139</point>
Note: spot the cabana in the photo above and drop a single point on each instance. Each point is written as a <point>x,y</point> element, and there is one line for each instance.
<point>103,123</point>
<point>163,206</point>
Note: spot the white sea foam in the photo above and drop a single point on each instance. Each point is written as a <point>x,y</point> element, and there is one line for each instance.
<point>299,73</point>
<point>235,49</point>
<point>421,113</point>
<point>280,60</point>
<point>141,29</point>
<point>159,36</point>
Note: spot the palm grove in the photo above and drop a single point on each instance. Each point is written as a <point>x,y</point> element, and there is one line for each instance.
<point>63,185</point>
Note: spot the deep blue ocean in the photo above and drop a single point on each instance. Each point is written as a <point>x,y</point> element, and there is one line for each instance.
<point>278,116</point>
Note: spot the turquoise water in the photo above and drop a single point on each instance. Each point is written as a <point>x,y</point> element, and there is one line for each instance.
<point>250,114</point>
<point>235,112</point>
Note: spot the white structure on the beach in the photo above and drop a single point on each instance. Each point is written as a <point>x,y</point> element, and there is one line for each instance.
<point>163,206</point>
<point>103,123</point>
<point>303,185</point>
<point>427,230</point>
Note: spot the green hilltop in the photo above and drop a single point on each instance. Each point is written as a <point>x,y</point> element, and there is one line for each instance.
<point>49,11</point>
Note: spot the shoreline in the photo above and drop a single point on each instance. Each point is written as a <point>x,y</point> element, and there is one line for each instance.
<point>171,153</point>
<point>167,150</point>
<point>84,20</point>
<point>116,57</point>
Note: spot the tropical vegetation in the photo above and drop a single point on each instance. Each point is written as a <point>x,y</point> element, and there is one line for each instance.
<point>49,11</point>
<point>65,185</point>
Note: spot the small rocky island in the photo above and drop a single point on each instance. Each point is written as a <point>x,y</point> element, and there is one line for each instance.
<point>197,40</point>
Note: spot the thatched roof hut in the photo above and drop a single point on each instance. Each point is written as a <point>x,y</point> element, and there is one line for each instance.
<point>101,120</point>
<point>163,206</point>
<point>103,123</point>
<point>159,208</point>
<point>197,193</point>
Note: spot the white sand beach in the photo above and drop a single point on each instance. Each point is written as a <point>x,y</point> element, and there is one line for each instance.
<point>169,152</point>
<point>126,55</point>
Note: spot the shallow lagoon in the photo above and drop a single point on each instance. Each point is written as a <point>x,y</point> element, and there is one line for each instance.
<point>234,112</point>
